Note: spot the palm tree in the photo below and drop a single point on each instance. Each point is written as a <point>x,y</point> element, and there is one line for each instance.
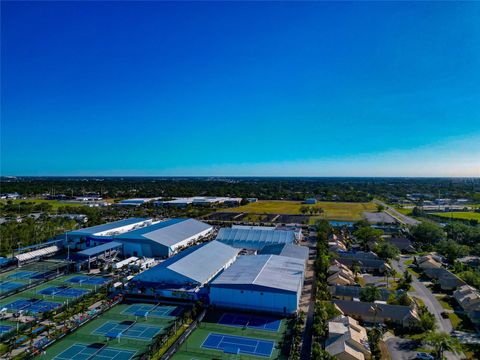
<point>441,342</point>
<point>370,293</point>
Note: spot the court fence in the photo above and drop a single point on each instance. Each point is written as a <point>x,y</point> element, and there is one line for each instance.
<point>176,345</point>
<point>72,329</point>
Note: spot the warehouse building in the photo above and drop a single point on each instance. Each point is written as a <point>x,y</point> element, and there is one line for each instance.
<point>254,239</point>
<point>289,250</point>
<point>269,283</point>
<point>183,275</point>
<point>95,235</point>
<point>162,239</point>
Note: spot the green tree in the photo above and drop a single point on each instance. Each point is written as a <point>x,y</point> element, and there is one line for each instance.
<point>428,233</point>
<point>370,293</point>
<point>367,234</point>
<point>427,320</point>
<point>387,251</point>
<point>441,342</point>
<point>452,250</point>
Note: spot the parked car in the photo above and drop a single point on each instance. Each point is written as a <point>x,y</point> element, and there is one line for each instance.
<point>424,356</point>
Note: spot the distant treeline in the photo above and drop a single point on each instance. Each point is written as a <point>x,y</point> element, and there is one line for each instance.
<point>332,189</point>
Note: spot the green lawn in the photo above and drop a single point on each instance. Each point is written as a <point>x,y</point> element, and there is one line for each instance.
<point>54,203</point>
<point>445,304</point>
<point>341,211</point>
<point>459,215</point>
<point>461,322</point>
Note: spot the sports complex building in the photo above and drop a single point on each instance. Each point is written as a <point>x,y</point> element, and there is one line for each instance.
<point>184,274</point>
<point>141,237</point>
<point>254,238</point>
<point>268,283</point>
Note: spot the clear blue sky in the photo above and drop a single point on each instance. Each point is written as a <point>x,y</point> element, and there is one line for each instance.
<point>240,88</point>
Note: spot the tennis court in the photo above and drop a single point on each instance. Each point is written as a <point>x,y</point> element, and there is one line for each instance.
<point>23,275</point>
<point>9,286</point>
<point>88,280</point>
<point>159,311</point>
<point>95,351</point>
<point>5,329</point>
<point>32,305</point>
<point>128,329</point>
<point>63,291</point>
<point>250,321</point>
<point>238,345</point>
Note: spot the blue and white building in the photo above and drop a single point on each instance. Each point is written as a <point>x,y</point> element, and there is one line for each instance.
<point>164,238</point>
<point>95,235</point>
<point>184,275</point>
<point>268,283</point>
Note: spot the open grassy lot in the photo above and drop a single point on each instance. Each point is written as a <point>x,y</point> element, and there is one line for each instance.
<point>54,203</point>
<point>342,211</point>
<point>459,215</point>
<point>196,346</point>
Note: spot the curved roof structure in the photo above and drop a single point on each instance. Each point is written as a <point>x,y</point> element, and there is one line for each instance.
<point>254,238</point>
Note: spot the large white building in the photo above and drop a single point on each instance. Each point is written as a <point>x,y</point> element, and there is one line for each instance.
<point>269,283</point>
<point>184,274</point>
<point>95,235</point>
<point>162,239</point>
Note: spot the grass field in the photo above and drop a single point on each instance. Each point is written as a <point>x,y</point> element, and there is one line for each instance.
<point>91,334</point>
<point>192,348</point>
<point>54,203</point>
<point>459,215</point>
<point>341,211</point>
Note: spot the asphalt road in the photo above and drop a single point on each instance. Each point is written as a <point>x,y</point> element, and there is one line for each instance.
<point>397,215</point>
<point>431,302</point>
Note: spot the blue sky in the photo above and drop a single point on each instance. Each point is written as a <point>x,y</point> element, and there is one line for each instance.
<point>308,89</point>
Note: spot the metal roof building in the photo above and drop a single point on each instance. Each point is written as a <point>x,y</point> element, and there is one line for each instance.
<point>289,250</point>
<point>163,239</point>
<point>268,283</point>
<point>187,270</point>
<point>253,238</point>
<point>111,228</point>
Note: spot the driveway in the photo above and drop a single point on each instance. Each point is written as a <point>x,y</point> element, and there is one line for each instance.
<point>401,349</point>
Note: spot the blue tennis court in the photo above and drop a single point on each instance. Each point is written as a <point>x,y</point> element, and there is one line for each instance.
<point>88,280</point>
<point>5,329</point>
<point>9,286</point>
<point>159,311</point>
<point>129,329</point>
<point>238,345</point>
<point>94,351</point>
<point>250,321</point>
<point>32,305</point>
<point>23,275</point>
<point>63,291</point>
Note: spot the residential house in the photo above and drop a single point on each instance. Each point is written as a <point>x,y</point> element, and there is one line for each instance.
<point>402,243</point>
<point>343,292</point>
<point>341,277</point>
<point>444,278</point>
<point>374,312</point>
<point>428,262</point>
<point>468,298</point>
<point>365,265</point>
<point>347,339</point>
